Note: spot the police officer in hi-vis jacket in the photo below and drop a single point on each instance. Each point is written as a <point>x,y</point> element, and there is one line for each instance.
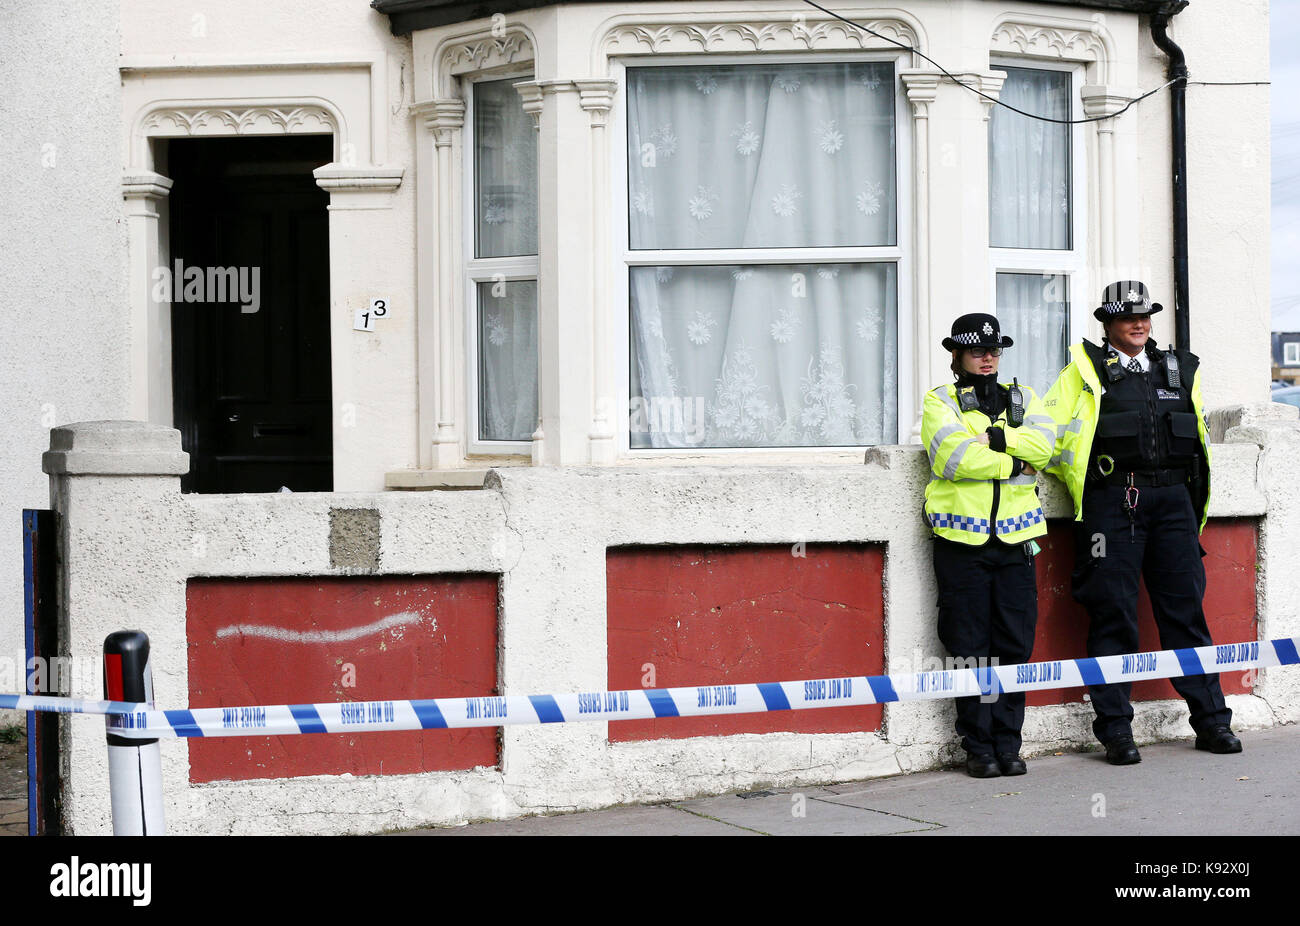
<point>1133,451</point>
<point>985,442</point>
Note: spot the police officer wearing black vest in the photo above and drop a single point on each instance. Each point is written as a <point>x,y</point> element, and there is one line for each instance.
<point>1143,501</point>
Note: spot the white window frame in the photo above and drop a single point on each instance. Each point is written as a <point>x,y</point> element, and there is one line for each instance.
<point>485,270</point>
<point>1073,263</point>
<point>1291,354</point>
<point>899,254</point>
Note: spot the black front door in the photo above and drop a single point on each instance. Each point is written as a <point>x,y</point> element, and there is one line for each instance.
<point>249,283</point>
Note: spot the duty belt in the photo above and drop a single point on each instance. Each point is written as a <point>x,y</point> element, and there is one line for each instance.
<point>1159,477</point>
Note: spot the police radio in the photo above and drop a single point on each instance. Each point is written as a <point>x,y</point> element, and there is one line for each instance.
<point>1016,407</point>
<point>967,399</point>
<point>1174,377</point>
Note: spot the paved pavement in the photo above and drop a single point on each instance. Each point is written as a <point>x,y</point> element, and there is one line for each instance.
<point>13,785</point>
<point>1175,791</point>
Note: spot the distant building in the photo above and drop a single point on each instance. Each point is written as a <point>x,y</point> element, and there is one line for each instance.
<point>1286,356</point>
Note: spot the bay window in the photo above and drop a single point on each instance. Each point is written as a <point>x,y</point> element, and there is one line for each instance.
<point>762,254</point>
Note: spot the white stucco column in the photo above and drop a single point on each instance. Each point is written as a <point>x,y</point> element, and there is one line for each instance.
<point>360,269</point>
<point>438,256</point>
<point>1105,101</point>
<point>922,88</point>
<point>116,488</point>
<point>149,396</point>
<point>597,97</point>
<point>564,271</point>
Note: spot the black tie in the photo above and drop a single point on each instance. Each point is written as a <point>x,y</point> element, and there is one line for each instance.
<point>1134,366</point>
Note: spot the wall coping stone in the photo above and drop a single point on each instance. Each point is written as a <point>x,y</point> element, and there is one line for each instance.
<point>115,448</point>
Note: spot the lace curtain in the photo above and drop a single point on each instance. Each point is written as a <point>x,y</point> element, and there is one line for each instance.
<point>505,219</point>
<point>1030,203</point>
<point>1029,163</point>
<point>507,351</point>
<point>505,172</point>
<point>1031,310</point>
<point>751,365</point>
<point>774,156</point>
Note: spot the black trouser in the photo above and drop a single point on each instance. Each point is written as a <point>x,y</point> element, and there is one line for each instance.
<point>1163,546</point>
<point>988,606</point>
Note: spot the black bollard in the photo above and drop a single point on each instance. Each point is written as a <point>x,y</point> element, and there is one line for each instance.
<point>134,765</point>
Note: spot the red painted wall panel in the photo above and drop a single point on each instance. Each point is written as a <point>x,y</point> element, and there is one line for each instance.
<point>710,615</point>
<point>1230,605</point>
<point>289,640</point>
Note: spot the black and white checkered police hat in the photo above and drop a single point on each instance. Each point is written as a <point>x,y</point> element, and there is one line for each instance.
<point>1127,297</point>
<point>975,330</point>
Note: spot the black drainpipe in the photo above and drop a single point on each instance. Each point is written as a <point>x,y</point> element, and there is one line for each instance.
<point>1178,122</point>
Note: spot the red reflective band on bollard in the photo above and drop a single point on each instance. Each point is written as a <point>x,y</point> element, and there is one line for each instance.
<point>126,664</point>
<point>113,676</point>
<point>134,766</point>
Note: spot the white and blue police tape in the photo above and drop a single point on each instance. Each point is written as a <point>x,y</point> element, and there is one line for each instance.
<point>137,720</point>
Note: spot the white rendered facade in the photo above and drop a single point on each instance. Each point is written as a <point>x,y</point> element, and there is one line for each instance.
<point>399,191</point>
<point>404,394</point>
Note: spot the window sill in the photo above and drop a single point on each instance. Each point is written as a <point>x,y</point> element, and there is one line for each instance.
<point>744,457</point>
<point>473,475</point>
<point>418,480</point>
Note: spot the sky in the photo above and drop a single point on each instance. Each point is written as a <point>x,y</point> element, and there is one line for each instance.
<point>1284,68</point>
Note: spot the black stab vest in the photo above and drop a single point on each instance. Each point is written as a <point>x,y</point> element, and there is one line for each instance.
<point>1146,423</point>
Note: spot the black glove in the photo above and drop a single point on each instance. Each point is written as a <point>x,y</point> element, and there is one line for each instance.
<point>997,439</point>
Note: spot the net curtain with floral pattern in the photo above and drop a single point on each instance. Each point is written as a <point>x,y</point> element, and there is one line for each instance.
<point>1030,209</point>
<point>796,353</point>
<point>505,226</point>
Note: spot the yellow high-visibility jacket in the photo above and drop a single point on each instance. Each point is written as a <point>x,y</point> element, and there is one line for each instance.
<point>1074,403</point>
<point>972,495</point>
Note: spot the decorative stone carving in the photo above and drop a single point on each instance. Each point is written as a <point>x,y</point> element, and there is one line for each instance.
<point>484,53</point>
<point>988,83</point>
<point>922,89</point>
<point>597,98</point>
<point>443,119</point>
<point>1105,101</point>
<point>533,93</point>
<point>469,54</point>
<point>1060,42</point>
<point>791,35</point>
<point>286,119</point>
